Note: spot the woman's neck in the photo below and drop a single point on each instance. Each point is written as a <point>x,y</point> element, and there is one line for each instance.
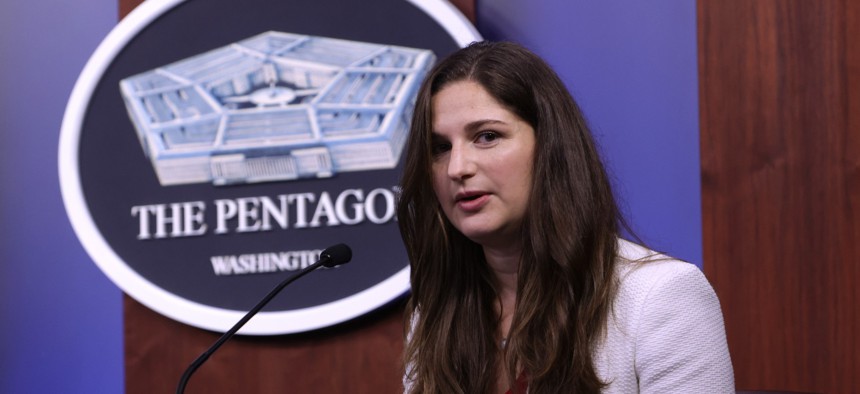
<point>504,263</point>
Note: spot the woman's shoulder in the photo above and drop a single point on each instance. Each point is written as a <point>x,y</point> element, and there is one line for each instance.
<point>668,318</point>
<point>659,297</point>
<point>641,269</point>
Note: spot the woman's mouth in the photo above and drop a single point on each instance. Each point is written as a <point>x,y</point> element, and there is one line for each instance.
<point>471,202</point>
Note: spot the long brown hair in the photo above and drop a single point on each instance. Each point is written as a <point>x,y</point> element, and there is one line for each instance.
<point>566,280</point>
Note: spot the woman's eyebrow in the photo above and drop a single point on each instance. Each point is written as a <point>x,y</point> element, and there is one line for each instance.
<point>470,127</point>
<point>480,123</point>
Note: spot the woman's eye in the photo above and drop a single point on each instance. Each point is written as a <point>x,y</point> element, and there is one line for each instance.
<point>487,136</point>
<point>440,148</point>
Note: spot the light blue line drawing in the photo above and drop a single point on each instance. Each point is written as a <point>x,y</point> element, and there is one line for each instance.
<point>276,107</point>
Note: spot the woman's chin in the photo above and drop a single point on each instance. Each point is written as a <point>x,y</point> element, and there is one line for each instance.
<point>492,238</point>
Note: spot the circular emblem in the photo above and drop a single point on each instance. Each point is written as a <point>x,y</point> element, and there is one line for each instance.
<point>210,149</point>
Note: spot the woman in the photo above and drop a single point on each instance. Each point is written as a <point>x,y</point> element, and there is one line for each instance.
<point>519,279</point>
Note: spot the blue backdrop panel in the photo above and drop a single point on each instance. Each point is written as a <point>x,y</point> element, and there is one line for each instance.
<point>632,67</point>
<point>60,318</point>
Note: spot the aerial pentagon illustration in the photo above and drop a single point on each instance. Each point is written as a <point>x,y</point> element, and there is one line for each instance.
<point>276,107</point>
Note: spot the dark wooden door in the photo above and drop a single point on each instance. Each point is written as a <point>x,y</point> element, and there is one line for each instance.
<point>780,148</point>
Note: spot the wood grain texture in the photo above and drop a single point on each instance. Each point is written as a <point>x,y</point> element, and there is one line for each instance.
<point>361,356</point>
<point>780,149</point>
<point>125,6</point>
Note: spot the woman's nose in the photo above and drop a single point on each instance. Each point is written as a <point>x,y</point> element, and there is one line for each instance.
<point>461,164</point>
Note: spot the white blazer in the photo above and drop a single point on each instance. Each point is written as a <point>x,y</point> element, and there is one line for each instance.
<point>666,332</point>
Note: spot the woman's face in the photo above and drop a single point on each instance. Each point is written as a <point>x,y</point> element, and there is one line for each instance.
<point>482,164</point>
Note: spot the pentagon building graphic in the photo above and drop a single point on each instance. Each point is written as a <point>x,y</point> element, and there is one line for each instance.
<point>276,107</point>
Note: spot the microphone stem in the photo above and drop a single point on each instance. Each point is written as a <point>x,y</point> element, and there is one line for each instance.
<point>205,356</point>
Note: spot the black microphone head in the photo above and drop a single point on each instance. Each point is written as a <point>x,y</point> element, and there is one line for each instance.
<point>336,255</point>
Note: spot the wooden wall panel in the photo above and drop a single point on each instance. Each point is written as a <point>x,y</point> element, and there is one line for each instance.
<point>361,356</point>
<point>780,148</point>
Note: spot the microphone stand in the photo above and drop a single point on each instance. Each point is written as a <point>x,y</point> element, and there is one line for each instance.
<point>205,356</point>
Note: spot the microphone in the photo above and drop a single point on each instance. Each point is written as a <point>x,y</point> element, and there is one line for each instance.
<point>335,255</point>
<point>330,257</point>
